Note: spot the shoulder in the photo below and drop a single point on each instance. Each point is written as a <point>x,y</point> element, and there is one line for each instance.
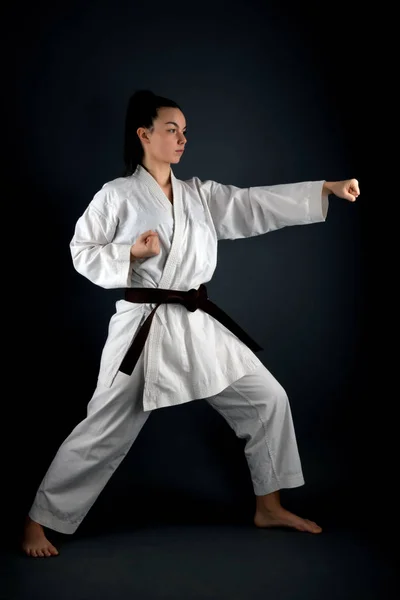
<point>118,186</point>
<point>197,184</point>
<point>112,192</point>
<point>191,182</point>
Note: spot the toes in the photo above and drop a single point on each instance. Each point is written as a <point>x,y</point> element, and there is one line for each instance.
<point>313,526</point>
<point>318,529</point>
<point>40,552</point>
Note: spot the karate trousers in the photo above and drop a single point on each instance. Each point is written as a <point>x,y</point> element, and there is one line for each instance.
<point>255,406</point>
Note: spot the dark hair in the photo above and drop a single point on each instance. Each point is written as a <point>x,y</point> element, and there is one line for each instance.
<point>142,110</point>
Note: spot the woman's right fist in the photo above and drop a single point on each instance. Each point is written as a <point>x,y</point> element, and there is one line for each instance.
<point>146,245</point>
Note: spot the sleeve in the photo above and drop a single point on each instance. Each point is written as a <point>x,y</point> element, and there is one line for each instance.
<point>247,212</point>
<point>94,254</point>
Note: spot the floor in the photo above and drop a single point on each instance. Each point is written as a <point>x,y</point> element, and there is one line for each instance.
<point>219,557</point>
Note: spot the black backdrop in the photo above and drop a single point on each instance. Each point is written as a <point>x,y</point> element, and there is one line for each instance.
<point>271,94</point>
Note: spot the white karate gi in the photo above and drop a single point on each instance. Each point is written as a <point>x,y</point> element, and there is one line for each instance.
<point>188,355</point>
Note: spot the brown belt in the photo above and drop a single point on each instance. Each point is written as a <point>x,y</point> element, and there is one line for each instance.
<point>192,300</point>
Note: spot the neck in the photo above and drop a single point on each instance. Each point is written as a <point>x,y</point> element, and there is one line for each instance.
<point>160,171</point>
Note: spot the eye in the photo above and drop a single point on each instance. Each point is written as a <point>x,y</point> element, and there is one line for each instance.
<point>173,130</point>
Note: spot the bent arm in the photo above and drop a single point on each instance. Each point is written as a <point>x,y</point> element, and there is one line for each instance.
<point>94,254</point>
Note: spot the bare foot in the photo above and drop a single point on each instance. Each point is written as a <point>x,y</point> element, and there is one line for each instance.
<point>34,542</point>
<point>281,517</point>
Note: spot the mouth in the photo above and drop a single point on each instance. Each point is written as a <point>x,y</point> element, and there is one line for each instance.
<point>180,151</point>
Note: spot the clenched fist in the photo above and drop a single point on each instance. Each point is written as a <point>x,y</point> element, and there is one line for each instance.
<point>146,245</point>
<point>347,189</point>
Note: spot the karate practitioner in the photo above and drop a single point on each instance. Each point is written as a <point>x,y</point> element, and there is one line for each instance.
<point>149,233</point>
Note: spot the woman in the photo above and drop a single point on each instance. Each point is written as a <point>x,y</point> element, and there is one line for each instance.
<point>156,237</point>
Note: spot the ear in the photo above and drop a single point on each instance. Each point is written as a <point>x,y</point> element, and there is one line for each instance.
<point>142,132</point>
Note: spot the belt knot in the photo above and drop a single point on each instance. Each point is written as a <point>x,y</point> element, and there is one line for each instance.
<point>193,298</point>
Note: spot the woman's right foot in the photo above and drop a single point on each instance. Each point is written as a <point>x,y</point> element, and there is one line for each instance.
<point>34,542</point>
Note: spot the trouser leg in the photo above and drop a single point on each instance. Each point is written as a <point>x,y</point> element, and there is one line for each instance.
<point>89,456</point>
<point>257,408</point>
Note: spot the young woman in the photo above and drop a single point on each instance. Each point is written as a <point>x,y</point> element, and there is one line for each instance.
<point>156,236</point>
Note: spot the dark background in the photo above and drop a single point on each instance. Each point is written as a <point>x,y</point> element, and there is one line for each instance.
<point>272,93</point>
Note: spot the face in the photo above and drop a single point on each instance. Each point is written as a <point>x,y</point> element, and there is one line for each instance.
<point>166,141</point>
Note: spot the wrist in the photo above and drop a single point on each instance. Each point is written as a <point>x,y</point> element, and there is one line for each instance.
<point>327,187</point>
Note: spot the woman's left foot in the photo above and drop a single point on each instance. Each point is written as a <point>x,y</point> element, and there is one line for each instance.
<point>283,518</point>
